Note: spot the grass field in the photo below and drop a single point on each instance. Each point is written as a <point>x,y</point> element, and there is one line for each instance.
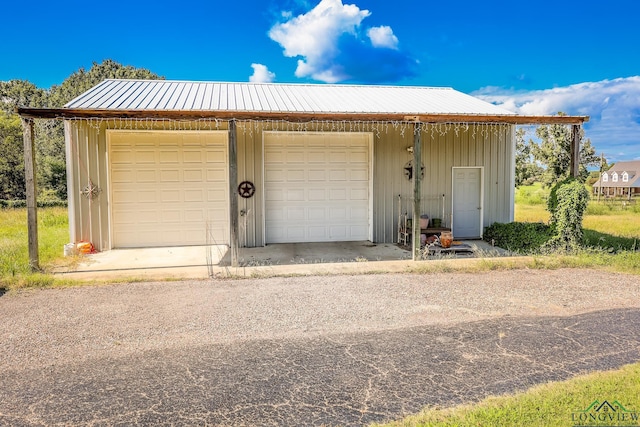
<point>53,233</point>
<point>610,217</point>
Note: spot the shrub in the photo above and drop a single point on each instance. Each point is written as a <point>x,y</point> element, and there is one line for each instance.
<point>48,203</point>
<point>520,237</point>
<point>567,203</point>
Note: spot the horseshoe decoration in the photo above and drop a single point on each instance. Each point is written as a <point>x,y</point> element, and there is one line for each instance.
<point>246,189</point>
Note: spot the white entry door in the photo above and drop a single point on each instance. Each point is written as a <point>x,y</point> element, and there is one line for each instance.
<point>467,202</point>
<point>317,187</point>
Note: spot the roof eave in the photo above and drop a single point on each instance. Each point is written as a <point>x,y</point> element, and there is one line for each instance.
<point>69,113</point>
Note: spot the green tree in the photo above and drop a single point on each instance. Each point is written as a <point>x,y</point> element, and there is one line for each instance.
<point>554,153</point>
<point>50,149</point>
<point>21,93</point>
<point>12,184</point>
<point>527,170</point>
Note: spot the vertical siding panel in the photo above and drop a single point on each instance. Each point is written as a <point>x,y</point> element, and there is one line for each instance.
<point>390,151</point>
<point>92,169</point>
<point>249,150</point>
<point>103,199</point>
<point>71,143</point>
<point>511,132</point>
<point>82,182</point>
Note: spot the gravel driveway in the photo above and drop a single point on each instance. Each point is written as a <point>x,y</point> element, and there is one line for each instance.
<point>61,331</point>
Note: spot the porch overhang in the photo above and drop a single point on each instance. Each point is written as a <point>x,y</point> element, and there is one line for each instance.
<point>515,119</point>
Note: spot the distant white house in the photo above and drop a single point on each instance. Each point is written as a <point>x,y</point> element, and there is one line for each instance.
<point>622,180</point>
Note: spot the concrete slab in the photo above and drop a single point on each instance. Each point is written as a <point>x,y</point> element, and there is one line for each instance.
<point>276,259</point>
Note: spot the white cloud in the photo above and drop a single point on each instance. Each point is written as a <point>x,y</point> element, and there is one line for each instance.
<point>328,40</point>
<point>383,37</point>
<point>261,74</point>
<point>613,107</point>
<point>314,36</point>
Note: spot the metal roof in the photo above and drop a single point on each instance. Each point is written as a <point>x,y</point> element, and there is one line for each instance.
<point>167,95</point>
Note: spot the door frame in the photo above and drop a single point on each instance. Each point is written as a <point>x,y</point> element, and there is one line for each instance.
<point>481,169</point>
<point>371,165</point>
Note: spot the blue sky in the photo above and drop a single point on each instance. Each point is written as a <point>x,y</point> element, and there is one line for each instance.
<point>532,57</point>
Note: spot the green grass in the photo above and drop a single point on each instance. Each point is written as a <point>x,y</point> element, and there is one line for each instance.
<point>607,224</point>
<point>549,405</point>
<point>53,233</point>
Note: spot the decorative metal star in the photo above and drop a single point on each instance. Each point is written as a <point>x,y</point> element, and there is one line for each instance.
<point>91,191</point>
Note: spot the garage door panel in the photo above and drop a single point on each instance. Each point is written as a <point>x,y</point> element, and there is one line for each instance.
<point>142,176</point>
<point>317,195</point>
<point>167,188</point>
<point>337,214</point>
<point>171,216</point>
<point>337,194</point>
<point>326,198</point>
<point>121,157</point>
<point>216,175</point>
<point>216,195</point>
<point>144,157</point>
<point>191,215</point>
<point>193,175</point>
<point>359,194</point>
<point>170,196</point>
<point>275,195</point>
<point>338,175</point>
<point>191,195</point>
<point>190,156</point>
<point>295,195</point>
<point>296,175</point>
<point>358,214</point>
<point>359,175</point>
<point>295,233</point>
<point>275,216</point>
<point>170,175</point>
<point>338,157</point>
<point>317,214</point>
<point>296,214</point>
<point>317,233</point>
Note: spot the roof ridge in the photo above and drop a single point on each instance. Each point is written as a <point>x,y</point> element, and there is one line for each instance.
<point>285,84</point>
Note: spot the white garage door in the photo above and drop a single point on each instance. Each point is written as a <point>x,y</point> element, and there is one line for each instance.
<point>168,188</point>
<point>317,187</point>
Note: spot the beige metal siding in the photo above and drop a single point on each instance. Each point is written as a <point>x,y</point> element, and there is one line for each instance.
<point>444,147</point>
<point>88,219</point>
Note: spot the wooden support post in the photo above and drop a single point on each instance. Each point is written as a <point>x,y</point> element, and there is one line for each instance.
<point>575,151</point>
<point>233,193</point>
<point>416,173</point>
<point>30,181</point>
